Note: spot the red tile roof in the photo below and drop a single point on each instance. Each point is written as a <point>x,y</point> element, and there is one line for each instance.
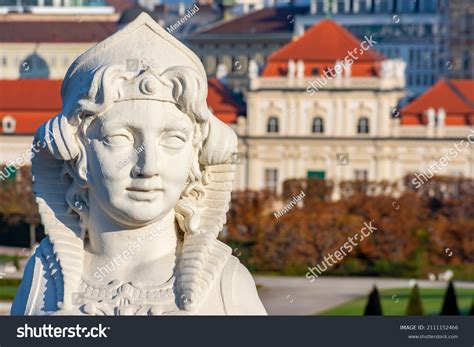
<point>40,94</point>
<point>32,102</point>
<point>466,87</point>
<point>320,47</point>
<point>221,102</point>
<point>43,102</point>
<point>52,31</point>
<point>270,20</point>
<point>456,97</point>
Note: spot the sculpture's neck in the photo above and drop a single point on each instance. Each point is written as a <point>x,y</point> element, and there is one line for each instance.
<point>147,252</point>
<point>107,238</point>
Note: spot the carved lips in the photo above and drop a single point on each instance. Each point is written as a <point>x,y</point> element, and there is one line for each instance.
<point>144,190</point>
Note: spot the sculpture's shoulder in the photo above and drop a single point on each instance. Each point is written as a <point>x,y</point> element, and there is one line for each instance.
<point>239,290</point>
<point>38,291</point>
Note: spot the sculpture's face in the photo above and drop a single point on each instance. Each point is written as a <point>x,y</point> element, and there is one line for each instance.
<point>139,158</point>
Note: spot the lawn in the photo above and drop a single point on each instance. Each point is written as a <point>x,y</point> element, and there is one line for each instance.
<point>8,289</point>
<point>395,301</point>
<point>5,258</point>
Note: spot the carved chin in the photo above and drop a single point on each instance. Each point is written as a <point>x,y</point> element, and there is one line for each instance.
<point>137,213</point>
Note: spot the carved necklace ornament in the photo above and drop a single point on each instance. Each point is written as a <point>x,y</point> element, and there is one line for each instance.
<point>122,299</point>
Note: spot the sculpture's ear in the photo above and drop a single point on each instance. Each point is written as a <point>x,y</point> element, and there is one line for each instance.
<point>62,142</point>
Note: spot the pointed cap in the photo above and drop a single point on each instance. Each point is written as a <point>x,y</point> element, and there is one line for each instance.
<point>142,43</point>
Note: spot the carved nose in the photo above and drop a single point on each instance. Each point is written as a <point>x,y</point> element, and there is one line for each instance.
<point>147,163</point>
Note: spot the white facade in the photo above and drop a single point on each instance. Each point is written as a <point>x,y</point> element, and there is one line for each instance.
<point>50,58</point>
<point>38,60</point>
<point>345,131</point>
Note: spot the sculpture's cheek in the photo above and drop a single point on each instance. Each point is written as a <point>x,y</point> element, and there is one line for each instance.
<point>176,169</point>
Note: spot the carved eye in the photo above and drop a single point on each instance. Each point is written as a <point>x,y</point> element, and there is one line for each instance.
<point>173,140</point>
<point>118,140</point>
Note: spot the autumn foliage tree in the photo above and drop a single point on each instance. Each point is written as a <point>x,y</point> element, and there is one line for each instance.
<point>17,199</point>
<point>417,230</point>
<point>414,227</point>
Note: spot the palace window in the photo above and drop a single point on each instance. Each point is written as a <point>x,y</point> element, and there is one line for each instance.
<point>210,62</point>
<point>271,179</point>
<point>320,175</point>
<point>361,175</point>
<point>363,125</point>
<point>272,125</point>
<point>318,125</point>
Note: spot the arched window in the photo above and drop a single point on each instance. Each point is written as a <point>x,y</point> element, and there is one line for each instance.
<point>210,63</point>
<point>318,125</point>
<point>363,125</point>
<point>272,125</point>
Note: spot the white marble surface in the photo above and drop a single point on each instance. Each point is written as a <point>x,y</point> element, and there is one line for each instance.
<point>133,181</point>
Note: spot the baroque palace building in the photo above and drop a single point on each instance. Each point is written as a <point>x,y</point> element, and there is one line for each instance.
<point>318,111</point>
<point>43,46</point>
<point>314,111</point>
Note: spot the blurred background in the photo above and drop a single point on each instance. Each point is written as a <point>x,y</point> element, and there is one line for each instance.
<point>328,140</point>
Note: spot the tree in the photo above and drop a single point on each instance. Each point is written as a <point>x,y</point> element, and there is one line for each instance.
<point>17,202</point>
<point>471,312</point>
<point>373,307</point>
<point>16,262</point>
<point>450,306</point>
<point>414,229</point>
<point>415,306</point>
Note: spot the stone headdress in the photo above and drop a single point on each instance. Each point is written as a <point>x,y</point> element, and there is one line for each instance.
<point>141,61</point>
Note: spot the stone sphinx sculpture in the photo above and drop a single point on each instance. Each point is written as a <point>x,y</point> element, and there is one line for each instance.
<point>133,181</point>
